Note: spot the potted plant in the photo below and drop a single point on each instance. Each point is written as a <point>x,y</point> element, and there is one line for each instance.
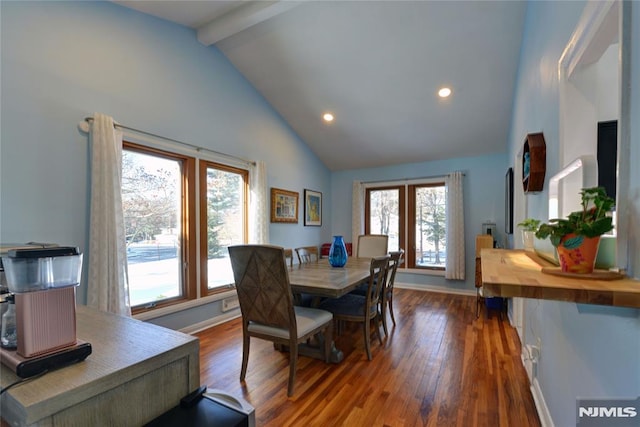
<point>529,227</point>
<point>577,237</point>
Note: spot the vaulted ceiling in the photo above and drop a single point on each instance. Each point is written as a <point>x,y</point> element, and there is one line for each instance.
<point>376,66</point>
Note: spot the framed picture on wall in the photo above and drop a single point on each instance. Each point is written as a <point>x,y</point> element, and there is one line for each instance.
<point>508,202</point>
<point>312,208</point>
<point>284,206</point>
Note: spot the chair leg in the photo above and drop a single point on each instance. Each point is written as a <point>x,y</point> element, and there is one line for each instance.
<point>377,322</point>
<point>383,314</point>
<point>245,356</point>
<point>391,309</point>
<point>477,302</point>
<point>293,366</point>
<point>367,336</point>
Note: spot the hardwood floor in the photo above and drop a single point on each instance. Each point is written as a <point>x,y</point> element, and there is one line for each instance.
<point>440,366</point>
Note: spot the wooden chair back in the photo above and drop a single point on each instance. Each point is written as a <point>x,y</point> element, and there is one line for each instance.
<point>395,259</point>
<point>379,270</point>
<point>386,300</point>
<point>262,283</point>
<point>307,254</point>
<point>288,257</point>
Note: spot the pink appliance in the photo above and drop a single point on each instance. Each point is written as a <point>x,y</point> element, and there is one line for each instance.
<point>43,281</point>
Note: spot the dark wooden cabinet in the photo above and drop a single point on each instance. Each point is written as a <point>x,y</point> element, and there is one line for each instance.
<point>534,162</point>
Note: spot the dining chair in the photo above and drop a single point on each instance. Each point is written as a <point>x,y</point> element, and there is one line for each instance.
<point>266,305</point>
<point>386,301</point>
<point>307,254</point>
<point>288,257</point>
<point>372,245</point>
<point>362,308</point>
<point>386,294</point>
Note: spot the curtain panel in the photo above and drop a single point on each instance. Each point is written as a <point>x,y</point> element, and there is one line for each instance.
<point>455,265</point>
<point>357,214</point>
<point>258,204</point>
<point>107,287</point>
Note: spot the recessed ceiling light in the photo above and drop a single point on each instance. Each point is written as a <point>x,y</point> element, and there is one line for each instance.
<point>444,92</point>
<point>328,117</point>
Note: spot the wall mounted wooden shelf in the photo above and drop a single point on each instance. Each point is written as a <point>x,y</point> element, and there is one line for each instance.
<point>516,273</point>
<point>534,162</point>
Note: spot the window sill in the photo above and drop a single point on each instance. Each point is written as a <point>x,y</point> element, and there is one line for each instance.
<point>159,312</point>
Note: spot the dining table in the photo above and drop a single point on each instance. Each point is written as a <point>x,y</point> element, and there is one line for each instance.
<point>322,280</point>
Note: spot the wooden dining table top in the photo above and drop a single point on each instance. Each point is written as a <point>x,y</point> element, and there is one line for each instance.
<point>324,280</point>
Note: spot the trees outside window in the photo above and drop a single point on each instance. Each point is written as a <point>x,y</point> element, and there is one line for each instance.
<point>422,228</point>
<point>430,225</point>
<point>385,214</point>
<point>159,203</point>
<point>223,208</point>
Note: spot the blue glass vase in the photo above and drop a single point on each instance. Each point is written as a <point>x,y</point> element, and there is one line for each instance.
<point>338,252</point>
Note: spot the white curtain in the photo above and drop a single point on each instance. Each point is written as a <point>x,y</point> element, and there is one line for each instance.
<point>107,278</point>
<point>357,214</point>
<point>455,227</point>
<point>258,204</point>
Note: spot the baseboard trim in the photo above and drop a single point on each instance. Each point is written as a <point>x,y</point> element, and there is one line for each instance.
<point>209,323</point>
<point>541,406</point>
<point>429,288</point>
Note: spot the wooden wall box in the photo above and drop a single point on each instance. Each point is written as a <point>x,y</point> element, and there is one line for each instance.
<point>534,162</point>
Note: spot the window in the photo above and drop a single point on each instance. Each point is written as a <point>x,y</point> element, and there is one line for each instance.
<point>384,214</point>
<point>427,229</point>
<point>223,213</point>
<point>160,203</point>
<point>420,225</point>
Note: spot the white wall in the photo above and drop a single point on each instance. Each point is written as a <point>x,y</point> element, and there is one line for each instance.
<point>586,350</point>
<point>63,61</point>
<point>484,188</point>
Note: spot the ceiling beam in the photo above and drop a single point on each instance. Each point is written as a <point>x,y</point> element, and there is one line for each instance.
<point>241,18</point>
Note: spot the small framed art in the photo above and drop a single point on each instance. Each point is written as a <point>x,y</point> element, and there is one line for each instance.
<point>312,208</point>
<point>284,206</point>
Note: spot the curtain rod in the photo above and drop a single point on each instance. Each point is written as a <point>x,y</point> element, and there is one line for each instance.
<point>408,179</point>
<point>186,144</point>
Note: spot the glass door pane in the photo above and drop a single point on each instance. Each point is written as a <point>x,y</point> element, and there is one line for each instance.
<point>384,215</point>
<point>225,222</point>
<point>430,226</point>
<point>151,200</point>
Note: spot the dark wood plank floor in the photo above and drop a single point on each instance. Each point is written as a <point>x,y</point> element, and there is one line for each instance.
<point>440,366</point>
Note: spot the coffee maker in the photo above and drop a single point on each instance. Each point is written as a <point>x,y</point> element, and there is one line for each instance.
<point>42,282</point>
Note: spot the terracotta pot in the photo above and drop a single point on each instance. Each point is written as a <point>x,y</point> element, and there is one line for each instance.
<point>577,254</point>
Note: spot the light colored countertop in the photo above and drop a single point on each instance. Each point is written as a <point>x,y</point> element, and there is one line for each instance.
<point>136,372</point>
<point>516,273</point>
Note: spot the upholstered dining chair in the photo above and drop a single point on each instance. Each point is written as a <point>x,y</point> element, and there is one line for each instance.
<point>307,254</point>
<point>372,245</point>
<point>362,308</point>
<point>266,304</point>
<point>386,301</point>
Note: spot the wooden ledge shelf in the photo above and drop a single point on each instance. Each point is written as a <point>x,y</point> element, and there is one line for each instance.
<point>516,273</point>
